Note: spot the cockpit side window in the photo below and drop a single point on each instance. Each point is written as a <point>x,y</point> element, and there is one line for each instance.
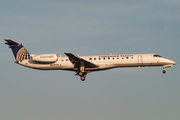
<point>156,55</point>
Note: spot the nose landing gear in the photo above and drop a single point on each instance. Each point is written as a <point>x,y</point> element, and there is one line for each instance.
<point>164,71</point>
<point>166,66</point>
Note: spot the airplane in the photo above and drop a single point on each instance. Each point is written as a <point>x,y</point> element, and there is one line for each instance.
<point>83,65</point>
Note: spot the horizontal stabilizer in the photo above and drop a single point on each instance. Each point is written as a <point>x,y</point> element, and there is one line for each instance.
<point>10,42</point>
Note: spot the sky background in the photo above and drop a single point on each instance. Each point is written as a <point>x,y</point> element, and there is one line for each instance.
<point>93,27</point>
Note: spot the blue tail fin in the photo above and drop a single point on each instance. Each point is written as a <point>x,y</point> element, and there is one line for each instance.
<point>20,53</point>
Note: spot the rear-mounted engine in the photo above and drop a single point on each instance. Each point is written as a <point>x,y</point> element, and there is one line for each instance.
<point>45,58</point>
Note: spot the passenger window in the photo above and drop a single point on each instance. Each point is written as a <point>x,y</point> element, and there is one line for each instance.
<point>108,57</point>
<point>66,59</point>
<point>104,58</point>
<point>90,58</point>
<point>99,58</point>
<point>113,58</point>
<point>94,58</point>
<point>62,60</point>
<point>127,57</point>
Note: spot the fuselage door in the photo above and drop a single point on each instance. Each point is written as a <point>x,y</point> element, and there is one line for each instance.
<point>140,59</point>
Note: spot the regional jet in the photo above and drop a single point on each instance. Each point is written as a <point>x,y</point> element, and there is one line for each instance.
<point>83,65</point>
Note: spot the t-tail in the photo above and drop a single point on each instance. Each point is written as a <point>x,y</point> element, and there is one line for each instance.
<point>20,53</point>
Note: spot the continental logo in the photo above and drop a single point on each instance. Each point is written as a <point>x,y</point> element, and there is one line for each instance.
<point>22,54</point>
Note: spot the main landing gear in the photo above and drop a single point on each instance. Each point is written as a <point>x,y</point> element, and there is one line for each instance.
<point>82,75</point>
<point>82,78</point>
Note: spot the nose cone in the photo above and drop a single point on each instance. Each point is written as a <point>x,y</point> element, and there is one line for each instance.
<point>170,62</point>
<point>174,63</point>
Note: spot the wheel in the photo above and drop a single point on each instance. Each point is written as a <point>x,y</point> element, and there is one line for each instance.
<point>82,78</point>
<point>164,71</point>
<point>80,73</point>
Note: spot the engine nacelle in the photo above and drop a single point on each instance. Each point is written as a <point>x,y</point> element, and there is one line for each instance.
<point>45,58</point>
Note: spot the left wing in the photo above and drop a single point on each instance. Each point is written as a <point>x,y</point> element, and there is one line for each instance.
<point>76,61</point>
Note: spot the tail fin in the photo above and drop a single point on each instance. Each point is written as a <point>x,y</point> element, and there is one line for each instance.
<point>20,53</point>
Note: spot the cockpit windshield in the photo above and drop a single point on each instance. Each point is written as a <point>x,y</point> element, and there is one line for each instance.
<point>156,55</point>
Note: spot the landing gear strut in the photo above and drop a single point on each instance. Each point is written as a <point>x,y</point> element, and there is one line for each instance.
<point>164,71</point>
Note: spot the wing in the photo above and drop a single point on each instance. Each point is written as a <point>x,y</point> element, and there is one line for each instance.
<point>76,61</point>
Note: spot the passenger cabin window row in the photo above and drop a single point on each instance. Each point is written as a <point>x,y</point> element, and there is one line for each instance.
<point>111,58</point>
<point>63,60</point>
<point>107,58</point>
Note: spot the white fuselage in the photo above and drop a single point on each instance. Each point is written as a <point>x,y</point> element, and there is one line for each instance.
<point>103,61</point>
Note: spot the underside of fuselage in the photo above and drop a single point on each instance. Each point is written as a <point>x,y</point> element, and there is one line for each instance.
<point>55,66</point>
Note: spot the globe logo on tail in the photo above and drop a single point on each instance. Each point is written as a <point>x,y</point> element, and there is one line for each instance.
<point>23,54</point>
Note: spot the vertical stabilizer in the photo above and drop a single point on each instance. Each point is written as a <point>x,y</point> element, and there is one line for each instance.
<point>20,53</point>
